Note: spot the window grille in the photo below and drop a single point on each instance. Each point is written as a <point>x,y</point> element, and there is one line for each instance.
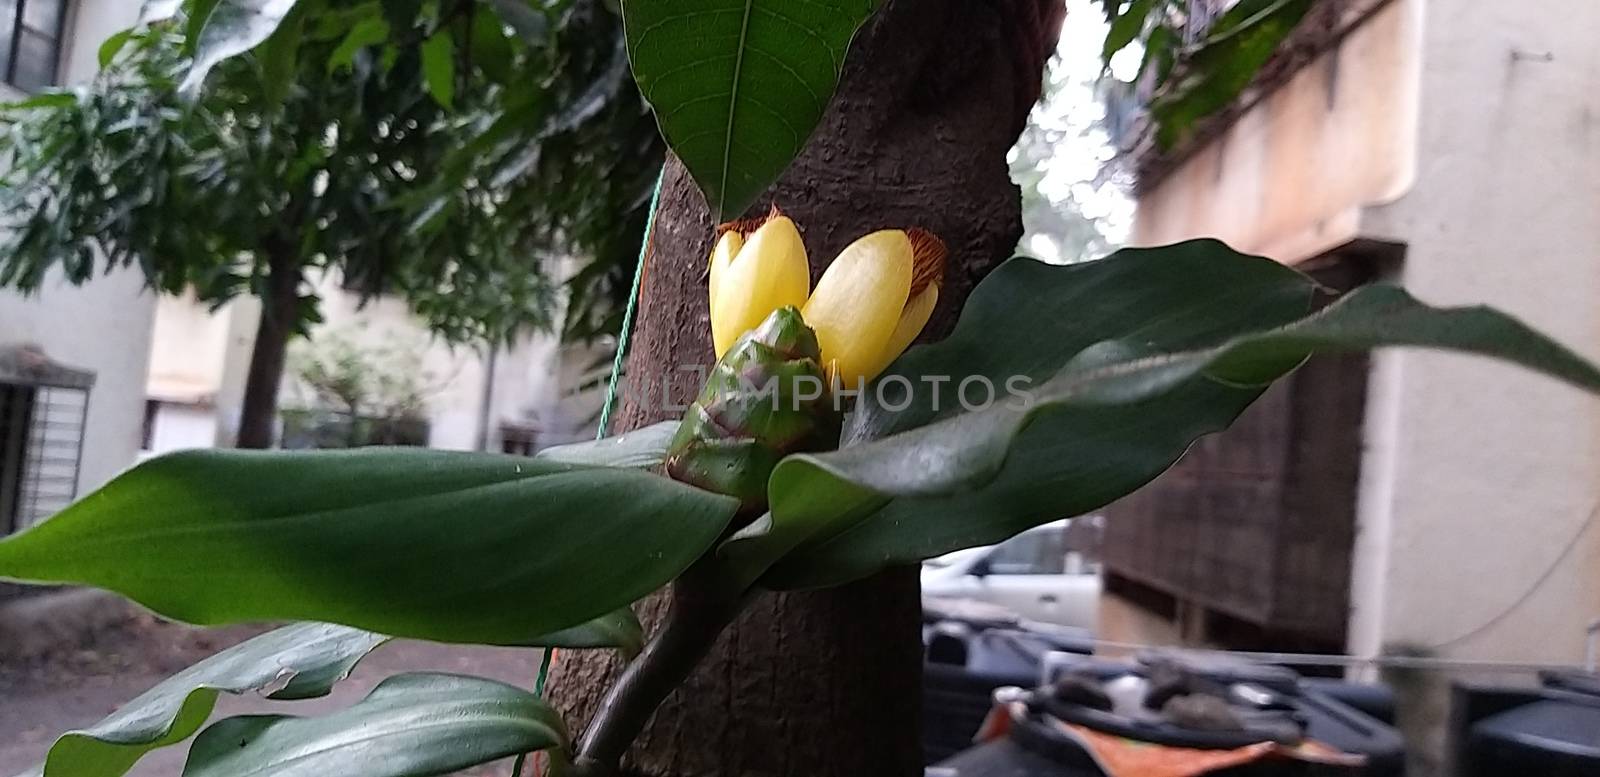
<point>30,42</point>
<point>43,410</point>
<point>519,440</point>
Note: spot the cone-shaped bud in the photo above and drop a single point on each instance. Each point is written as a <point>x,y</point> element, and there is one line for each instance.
<point>765,399</point>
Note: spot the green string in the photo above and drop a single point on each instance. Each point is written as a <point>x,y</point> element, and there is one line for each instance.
<point>633,306</point>
<point>611,396</point>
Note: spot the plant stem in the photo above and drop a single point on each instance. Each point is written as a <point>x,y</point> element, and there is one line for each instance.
<point>703,604</point>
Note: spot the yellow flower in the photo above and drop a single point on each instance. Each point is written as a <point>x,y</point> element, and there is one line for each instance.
<point>874,300</point>
<point>757,267</point>
<point>871,303</point>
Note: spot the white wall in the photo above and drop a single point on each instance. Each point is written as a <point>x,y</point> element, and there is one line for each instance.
<point>201,356</point>
<point>1469,133</point>
<point>198,359</point>
<point>103,326</point>
<point>183,427</point>
<point>1481,478</point>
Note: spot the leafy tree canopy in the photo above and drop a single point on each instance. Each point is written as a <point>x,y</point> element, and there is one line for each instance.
<point>449,152</point>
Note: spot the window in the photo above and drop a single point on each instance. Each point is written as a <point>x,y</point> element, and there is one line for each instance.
<point>147,432</point>
<point>30,42</point>
<point>1039,552</point>
<point>16,412</point>
<point>43,409</point>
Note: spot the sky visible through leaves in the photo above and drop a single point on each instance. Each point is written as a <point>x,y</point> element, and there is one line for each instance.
<point>1073,171</point>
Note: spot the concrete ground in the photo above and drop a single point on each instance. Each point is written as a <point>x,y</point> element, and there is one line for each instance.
<point>69,659</point>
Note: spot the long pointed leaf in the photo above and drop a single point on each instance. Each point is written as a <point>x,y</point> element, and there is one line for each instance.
<point>228,28</point>
<point>620,629</point>
<point>409,726</point>
<point>638,449</point>
<point>295,662</point>
<point>427,544</point>
<point>1137,356</point>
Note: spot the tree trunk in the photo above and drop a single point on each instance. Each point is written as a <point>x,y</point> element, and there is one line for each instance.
<point>280,310</point>
<point>827,683</point>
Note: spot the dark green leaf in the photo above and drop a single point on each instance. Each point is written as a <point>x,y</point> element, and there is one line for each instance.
<point>739,85</point>
<point>427,544</point>
<point>1137,356</point>
<point>492,51</point>
<point>113,46</point>
<point>280,55</point>
<point>43,100</point>
<point>439,67</point>
<point>1160,51</point>
<point>1242,40</point>
<point>620,629</point>
<point>1125,28</point>
<point>411,725</point>
<point>370,31</point>
<point>296,662</point>
<point>520,15</point>
<point>229,28</point>
<point>638,449</point>
<point>197,17</point>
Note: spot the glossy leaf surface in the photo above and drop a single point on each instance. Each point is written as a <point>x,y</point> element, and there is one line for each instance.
<point>415,543</point>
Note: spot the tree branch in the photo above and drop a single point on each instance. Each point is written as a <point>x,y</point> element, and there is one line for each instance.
<point>704,602</point>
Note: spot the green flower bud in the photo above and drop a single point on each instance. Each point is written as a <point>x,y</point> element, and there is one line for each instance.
<point>765,399</point>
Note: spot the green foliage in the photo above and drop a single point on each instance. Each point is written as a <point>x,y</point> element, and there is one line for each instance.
<point>639,449</point>
<point>411,724</point>
<point>1056,226</point>
<point>426,544</point>
<point>620,629</point>
<point>383,379</point>
<point>467,160</point>
<point>754,410</point>
<point>569,148</point>
<point>739,85</point>
<point>1083,399</point>
<point>219,29</point>
<point>1193,76</point>
<point>1160,346</point>
<point>296,662</point>
<point>224,192</point>
<point>1218,71</point>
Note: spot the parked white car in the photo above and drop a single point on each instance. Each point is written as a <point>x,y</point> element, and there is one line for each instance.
<point>1050,574</point>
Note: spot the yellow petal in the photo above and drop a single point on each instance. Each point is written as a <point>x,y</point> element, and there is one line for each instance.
<point>728,247</point>
<point>857,305</point>
<point>912,322</point>
<point>769,273</point>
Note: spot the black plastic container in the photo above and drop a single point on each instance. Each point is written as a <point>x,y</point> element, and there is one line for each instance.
<point>972,650</point>
<point>1035,747</point>
<point>1552,731</point>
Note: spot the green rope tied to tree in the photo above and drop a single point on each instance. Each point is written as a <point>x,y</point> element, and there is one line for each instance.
<point>611,395</point>
<point>633,307</point>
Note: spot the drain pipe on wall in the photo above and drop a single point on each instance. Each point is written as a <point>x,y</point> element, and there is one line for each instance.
<point>486,402</point>
<point>1592,659</point>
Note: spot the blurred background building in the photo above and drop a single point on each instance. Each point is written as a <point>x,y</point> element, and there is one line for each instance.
<point>93,377</point>
<point>94,337</point>
<point>1414,503</point>
<point>1406,503</point>
<point>537,393</point>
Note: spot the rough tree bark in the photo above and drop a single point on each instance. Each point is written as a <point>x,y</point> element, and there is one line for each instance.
<point>268,357</point>
<point>827,683</point>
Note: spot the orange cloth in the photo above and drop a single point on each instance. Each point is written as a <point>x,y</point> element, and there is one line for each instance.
<point>1119,757</point>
